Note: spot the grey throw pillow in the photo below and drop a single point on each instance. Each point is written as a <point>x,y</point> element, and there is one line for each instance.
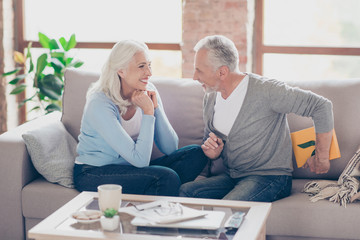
<point>52,150</point>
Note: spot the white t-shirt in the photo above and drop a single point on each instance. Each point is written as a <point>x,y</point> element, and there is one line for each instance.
<point>226,110</point>
<point>132,126</point>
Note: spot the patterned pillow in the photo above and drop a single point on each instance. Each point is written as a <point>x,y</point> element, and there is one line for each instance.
<point>52,150</point>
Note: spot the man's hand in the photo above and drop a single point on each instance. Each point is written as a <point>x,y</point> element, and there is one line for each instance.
<point>320,163</point>
<point>317,165</point>
<point>213,146</point>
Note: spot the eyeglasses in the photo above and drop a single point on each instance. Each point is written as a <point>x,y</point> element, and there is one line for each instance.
<point>169,208</point>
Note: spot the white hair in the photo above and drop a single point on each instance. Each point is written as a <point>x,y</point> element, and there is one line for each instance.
<point>109,81</point>
<point>221,52</point>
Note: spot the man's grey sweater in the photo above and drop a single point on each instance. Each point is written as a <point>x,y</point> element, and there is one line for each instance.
<point>259,142</point>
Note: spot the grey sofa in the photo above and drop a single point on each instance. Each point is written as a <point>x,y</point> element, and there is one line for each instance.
<point>27,198</point>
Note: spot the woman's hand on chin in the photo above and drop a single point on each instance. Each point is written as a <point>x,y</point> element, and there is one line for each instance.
<point>152,95</point>
<point>143,101</point>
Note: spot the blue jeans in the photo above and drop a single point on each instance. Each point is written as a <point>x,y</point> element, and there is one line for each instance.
<point>163,177</point>
<point>250,188</point>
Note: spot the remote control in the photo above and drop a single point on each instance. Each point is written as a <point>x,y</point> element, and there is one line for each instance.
<point>234,221</point>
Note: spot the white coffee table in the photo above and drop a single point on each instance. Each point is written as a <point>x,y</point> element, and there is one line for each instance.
<point>60,225</point>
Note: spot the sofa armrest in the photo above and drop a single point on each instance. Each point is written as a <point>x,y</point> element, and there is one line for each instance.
<point>16,170</point>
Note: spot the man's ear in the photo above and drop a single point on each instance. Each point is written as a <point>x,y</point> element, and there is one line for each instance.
<point>121,73</point>
<point>223,72</point>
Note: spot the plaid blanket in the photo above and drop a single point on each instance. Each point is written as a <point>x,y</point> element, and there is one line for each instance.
<point>346,190</point>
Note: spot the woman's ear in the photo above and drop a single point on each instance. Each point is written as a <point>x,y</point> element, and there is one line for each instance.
<point>121,73</point>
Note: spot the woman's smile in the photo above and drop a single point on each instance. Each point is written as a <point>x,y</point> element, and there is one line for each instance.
<point>144,80</point>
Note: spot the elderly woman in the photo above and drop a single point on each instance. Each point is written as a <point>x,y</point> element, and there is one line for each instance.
<point>122,118</point>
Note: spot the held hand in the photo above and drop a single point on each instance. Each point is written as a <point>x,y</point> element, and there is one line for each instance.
<point>317,165</point>
<point>152,95</point>
<point>143,101</point>
<point>213,146</point>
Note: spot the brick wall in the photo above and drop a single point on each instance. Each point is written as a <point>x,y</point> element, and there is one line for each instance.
<point>208,17</point>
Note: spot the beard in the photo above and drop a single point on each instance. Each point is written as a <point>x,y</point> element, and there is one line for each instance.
<point>213,89</point>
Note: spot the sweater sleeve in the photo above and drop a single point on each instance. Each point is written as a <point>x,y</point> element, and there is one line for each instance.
<point>104,120</point>
<point>286,99</point>
<point>166,138</point>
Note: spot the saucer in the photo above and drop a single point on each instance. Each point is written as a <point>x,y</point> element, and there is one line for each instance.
<point>88,216</point>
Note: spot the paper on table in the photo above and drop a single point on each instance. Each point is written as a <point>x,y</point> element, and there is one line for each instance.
<point>163,212</point>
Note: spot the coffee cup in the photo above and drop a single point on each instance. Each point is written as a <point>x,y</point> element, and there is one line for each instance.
<point>109,196</point>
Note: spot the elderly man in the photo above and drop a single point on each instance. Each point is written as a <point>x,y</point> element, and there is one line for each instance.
<point>246,125</point>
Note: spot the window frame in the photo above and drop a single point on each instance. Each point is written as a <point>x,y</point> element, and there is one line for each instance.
<point>21,44</point>
<point>260,48</point>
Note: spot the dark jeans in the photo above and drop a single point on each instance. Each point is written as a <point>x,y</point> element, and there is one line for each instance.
<point>163,177</point>
<point>251,188</point>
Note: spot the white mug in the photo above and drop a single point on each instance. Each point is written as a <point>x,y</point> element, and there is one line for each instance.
<point>109,196</point>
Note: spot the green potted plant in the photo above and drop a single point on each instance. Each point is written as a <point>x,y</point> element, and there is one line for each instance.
<point>47,76</point>
<point>110,220</point>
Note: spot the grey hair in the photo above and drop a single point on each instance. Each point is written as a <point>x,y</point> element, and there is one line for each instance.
<point>109,81</point>
<point>221,52</point>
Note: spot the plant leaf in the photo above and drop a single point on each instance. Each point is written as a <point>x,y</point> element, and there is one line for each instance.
<point>71,43</point>
<point>19,57</point>
<point>110,212</point>
<point>28,52</point>
<point>17,79</point>
<point>76,64</point>
<point>36,79</point>
<point>52,107</point>
<point>53,44</point>
<point>21,104</point>
<point>29,99</point>
<point>29,55</point>
<point>63,43</point>
<point>57,65</point>
<point>11,72</point>
<point>26,100</point>
<point>307,144</point>
<point>68,61</point>
<point>18,89</point>
<point>44,40</point>
<point>41,63</point>
<point>59,56</point>
<point>40,96</point>
<point>34,108</point>
<point>51,86</point>
<point>31,66</point>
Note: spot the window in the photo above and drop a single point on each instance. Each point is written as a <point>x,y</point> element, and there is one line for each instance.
<point>98,24</point>
<point>307,40</point>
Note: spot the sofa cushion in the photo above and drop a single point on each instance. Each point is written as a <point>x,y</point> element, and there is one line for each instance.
<point>296,215</point>
<point>41,198</point>
<point>76,83</point>
<point>346,122</point>
<point>52,150</point>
